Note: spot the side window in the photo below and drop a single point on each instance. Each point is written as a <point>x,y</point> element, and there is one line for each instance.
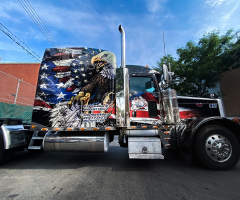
<point>141,84</point>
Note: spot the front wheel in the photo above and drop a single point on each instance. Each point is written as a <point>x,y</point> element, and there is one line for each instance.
<point>217,147</point>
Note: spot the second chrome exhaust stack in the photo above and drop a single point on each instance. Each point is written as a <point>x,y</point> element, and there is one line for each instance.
<point>121,30</point>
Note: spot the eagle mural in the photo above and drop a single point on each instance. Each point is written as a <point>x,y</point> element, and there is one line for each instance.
<point>101,83</point>
<point>76,88</point>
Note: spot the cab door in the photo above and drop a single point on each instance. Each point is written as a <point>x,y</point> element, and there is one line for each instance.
<point>144,100</point>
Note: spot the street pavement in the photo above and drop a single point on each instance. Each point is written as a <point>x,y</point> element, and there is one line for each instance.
<point>111,175</point>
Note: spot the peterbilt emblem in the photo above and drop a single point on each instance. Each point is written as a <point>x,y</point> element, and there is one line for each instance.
<point>199,104</point>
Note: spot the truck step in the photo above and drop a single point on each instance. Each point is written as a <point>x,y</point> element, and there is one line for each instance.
<point>146,156</point>
<point>34,147</point>
<point>36,141</point>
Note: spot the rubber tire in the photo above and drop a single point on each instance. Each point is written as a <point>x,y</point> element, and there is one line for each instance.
<point>5,154</point>
<point>200,141</point>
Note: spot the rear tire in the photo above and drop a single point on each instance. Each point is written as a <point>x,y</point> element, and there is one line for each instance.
<point>217,147</point>
<point>5,154</point>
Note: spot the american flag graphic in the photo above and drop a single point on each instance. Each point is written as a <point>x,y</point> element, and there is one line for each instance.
<point>62,75</point>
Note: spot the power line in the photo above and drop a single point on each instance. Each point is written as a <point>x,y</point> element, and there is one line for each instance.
<point>46,29</point>
<point>36,22</point>
<point>29,12</point>
<point>18,42</point>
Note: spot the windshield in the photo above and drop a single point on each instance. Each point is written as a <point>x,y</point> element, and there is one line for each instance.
<point>141,84</point>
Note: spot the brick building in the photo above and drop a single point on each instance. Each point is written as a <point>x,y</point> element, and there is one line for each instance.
<point>18,75</point>
<point>17,92</point>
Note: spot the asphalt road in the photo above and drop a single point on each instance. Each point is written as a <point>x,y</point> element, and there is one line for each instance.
<point>55,175</point>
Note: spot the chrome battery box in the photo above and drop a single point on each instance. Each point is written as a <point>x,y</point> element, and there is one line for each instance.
<point>144,148</point>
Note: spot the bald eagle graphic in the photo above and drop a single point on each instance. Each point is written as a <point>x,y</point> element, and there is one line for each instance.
<point>98,90</point>
<point>100,84</point>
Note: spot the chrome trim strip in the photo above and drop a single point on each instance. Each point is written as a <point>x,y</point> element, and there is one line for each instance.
<point>221,109</point>
<point>184,97</point>
<point>143,132</point>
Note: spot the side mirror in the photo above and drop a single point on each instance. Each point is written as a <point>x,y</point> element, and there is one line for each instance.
<point>165,74</point>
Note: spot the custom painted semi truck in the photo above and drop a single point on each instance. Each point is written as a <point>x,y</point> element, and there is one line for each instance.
<point>83,100</point>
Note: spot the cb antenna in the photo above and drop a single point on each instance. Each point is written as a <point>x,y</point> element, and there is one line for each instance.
<point>164,44</point>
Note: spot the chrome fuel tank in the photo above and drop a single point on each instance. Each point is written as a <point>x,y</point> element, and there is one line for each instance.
<point>54,141</point>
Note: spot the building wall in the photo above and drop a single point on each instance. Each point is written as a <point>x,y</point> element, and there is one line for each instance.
<point>26,71</point>
<point>230,87</point>
<point>10,74</point>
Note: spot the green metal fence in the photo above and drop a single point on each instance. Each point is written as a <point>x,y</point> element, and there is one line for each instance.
<point>8,110</point>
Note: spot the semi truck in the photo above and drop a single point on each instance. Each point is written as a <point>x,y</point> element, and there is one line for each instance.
<point>83,100</point>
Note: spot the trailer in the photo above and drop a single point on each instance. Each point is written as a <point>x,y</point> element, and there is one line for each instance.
<point>83,100</point>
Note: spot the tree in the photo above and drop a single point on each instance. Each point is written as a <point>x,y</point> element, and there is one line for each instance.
<point>201,64</point>
<point>167,59</point>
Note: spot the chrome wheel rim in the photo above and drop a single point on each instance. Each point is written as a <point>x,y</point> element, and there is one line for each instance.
<point>218,148</point>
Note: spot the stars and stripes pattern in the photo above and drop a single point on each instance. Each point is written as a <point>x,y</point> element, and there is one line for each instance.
<point>64,72</point>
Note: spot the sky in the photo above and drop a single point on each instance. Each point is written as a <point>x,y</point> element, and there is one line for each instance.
<point>94,23</point>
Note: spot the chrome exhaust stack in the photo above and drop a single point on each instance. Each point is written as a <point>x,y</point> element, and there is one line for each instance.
<point>125,113</point>
<point>121,30</point>
<point>54,141</point>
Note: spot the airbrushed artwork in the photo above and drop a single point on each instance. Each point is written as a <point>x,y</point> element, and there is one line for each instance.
<point>76,88</point>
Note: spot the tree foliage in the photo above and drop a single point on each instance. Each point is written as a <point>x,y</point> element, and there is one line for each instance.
<point>200,65</point>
